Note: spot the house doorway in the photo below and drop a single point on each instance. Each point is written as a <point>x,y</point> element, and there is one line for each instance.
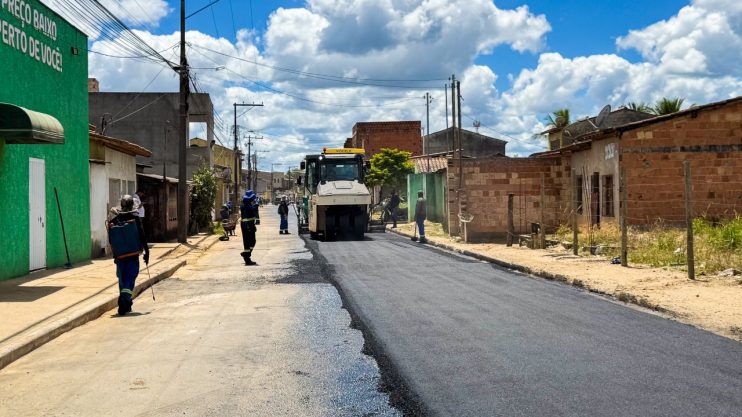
<point>37,214</point>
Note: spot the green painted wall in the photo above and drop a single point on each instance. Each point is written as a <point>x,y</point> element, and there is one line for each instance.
<point>37,85</point>
<point>435,186</point>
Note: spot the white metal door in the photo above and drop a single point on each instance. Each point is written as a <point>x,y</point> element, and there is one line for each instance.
<point>37,213</point>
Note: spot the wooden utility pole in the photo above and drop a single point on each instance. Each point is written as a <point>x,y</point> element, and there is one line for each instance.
<point>453,112</point>
<point>183,124</point>
<point>689,221</point>
<point>458,134</point>
<point>427,136</point>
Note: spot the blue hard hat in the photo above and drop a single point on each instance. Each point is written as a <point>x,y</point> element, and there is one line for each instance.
<point>249,195</point>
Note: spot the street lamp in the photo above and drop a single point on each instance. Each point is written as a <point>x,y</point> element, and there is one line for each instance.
<point>273,197</point>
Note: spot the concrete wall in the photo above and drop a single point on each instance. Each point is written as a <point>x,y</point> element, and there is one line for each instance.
<point>487,183</point>
<point>373,136</point>
<point>98,209</point>
<point>652,160</point>
<point>149,127</point>
<point>474,144</point>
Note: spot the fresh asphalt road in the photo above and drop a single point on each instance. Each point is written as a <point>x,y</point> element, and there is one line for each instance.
<point>463,338</point>
<point>222,339</point>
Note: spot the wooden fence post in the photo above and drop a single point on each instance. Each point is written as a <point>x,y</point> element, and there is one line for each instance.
<point>511,228</point>
<point>542,227</point>
<point>689,221</point>
<point>575,243</point>
<point>623,203</point>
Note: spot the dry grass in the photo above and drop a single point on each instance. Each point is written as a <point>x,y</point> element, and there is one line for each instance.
<point>717,245</point>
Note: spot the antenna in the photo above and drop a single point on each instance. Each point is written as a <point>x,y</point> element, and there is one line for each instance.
<point>603,116</point>
<point>477,124</point>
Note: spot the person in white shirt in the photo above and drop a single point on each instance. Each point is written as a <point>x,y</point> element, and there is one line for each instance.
<point>138,197</point>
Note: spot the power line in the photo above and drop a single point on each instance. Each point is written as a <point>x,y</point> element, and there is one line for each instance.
<point>492,130</point>
<point>140,93</point>
<point>132,56</point>
<point>139,109</point>
<point>97,20</point>
<point>213,18</point>
<point>234,28</point>
<point>202,9</point>
<point>301,98</point>
<point>340,79</point>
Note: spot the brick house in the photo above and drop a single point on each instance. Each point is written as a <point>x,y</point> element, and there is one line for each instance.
<point>373,136</point>
<point>585,175</point>
<point>650,155</point>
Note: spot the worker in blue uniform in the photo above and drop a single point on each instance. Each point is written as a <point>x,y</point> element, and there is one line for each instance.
<point>130,241</point>
<point>250,219</point>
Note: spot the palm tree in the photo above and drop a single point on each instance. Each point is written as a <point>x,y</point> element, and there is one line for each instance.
<point>667,105</point>
<point>557,119</point>
<point>639,106</point>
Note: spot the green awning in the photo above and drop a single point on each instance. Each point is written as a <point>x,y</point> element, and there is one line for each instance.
<point>23,126</point>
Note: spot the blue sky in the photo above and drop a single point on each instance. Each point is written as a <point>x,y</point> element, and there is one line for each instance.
<point>517,61</point>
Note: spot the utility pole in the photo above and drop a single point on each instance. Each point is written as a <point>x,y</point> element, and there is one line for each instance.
<point>427,131</point>
<point>428,100</point>
<point>238,171</point>
<point>458,135</point>
<point>453,111</point>
<point>182,185</point>
<point>445,95</point>
<point>252,180</point>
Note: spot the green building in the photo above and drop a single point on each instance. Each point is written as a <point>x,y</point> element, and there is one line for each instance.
<point>43,139</point>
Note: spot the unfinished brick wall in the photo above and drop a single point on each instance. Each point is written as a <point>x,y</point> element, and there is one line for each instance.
<point>487,183</point>
<point>652,162</point>
<point>373,136</point>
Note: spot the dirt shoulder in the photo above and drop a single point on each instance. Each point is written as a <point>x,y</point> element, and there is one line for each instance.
<point>712,303</point>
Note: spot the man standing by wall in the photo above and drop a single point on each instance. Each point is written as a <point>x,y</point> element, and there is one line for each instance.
<point>394,207</point>
<point>420,214</point>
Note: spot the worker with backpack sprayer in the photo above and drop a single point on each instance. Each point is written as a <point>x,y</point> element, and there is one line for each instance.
<point>126,236</point>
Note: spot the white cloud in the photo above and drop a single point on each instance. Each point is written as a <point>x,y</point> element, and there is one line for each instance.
<point>703,38</point>
<point>395,39</point>
<point>694,54</point>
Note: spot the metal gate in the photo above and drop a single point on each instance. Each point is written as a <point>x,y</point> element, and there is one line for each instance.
<point>37,213</point>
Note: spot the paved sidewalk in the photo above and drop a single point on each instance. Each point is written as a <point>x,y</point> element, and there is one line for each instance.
<point>41,306</point>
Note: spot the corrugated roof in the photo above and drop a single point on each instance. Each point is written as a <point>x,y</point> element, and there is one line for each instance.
<point>425,164</point>
<point>121,145</point>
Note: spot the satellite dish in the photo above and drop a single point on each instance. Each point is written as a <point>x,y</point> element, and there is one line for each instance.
<point>603,116</point>
<point>477,124</point>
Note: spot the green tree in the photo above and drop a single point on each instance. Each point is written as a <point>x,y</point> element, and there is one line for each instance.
<point>390,168</point>
<point>640,106</point>
<point>667,105</point>
<point>558,118</point>
<point>203,195</point>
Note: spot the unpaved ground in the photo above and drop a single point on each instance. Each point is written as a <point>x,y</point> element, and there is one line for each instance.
<point>712,303</point>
